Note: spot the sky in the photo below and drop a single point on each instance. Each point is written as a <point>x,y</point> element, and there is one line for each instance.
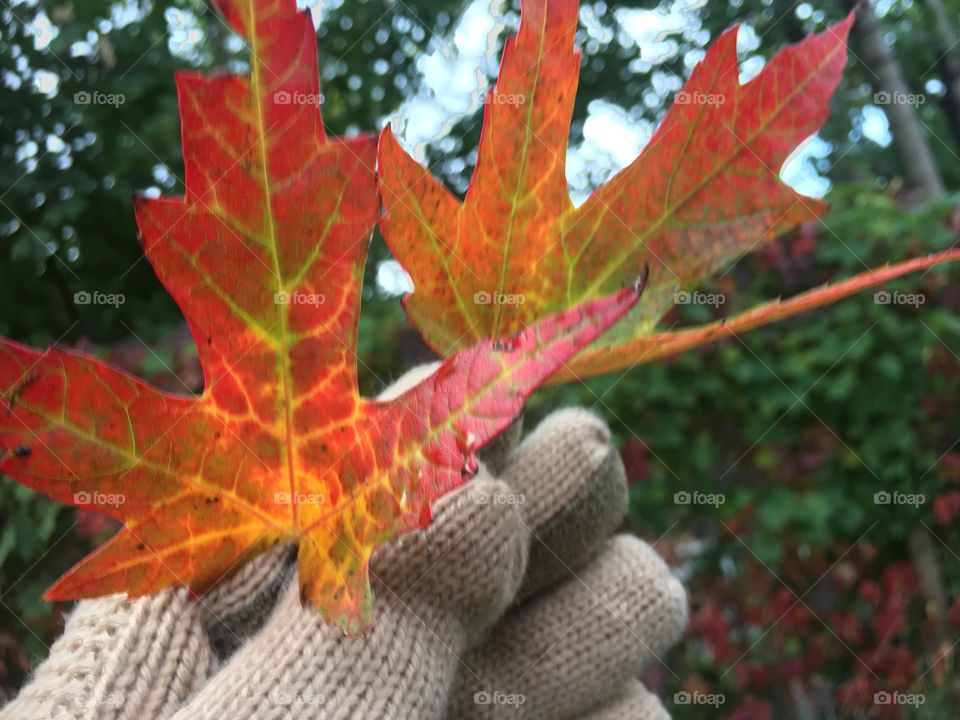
<point>457,74</point>
<point>458,71</point>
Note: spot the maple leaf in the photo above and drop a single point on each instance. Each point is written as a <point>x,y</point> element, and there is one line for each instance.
<point>264,255</point>
<point>703,191</point>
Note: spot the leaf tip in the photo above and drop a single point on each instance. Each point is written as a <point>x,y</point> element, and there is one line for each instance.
<point>62,590</point>
<point>843,26</point>
<point>426,515</point>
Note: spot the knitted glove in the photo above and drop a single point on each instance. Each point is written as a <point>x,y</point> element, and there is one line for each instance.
<point>513,602</point>
<point>592,611</point>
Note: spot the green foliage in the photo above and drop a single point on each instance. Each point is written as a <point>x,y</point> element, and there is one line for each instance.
<point>850,379</point>
<point>799,426</point>
<point>33,528</point>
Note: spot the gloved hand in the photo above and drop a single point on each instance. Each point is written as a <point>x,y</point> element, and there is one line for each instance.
<point>515,602</point>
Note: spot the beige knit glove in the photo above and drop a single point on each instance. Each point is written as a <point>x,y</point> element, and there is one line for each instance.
<point>513,603</point>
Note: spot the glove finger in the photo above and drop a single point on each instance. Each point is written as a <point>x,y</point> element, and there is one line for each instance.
<point>574,494</point>
<point>432,591</point>
<point>120,659</point>
<point>569,650</point>
<point>470,560</point>
<point>142,658</point>
<point>634,702</point>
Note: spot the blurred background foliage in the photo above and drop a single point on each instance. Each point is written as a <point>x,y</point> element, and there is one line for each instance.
<point>807,596</point>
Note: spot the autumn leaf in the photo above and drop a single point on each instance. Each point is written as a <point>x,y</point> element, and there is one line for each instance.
<point>265,255</point>
<point>704,191</point>
<point>604,357</point>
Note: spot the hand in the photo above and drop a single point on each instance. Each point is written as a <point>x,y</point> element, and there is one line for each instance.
<point>515,602</point>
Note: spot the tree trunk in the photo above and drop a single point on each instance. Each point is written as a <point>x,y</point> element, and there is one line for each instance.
<point>892,94</point>
<point>926,561</point>
<point>949,62</point>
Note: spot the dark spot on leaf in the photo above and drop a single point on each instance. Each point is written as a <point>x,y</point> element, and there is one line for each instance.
<point>506,344</point>
<point>640,284</point>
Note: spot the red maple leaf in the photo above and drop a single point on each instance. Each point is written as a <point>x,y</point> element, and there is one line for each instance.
<point>264,255</point>
<point>705,190</point>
